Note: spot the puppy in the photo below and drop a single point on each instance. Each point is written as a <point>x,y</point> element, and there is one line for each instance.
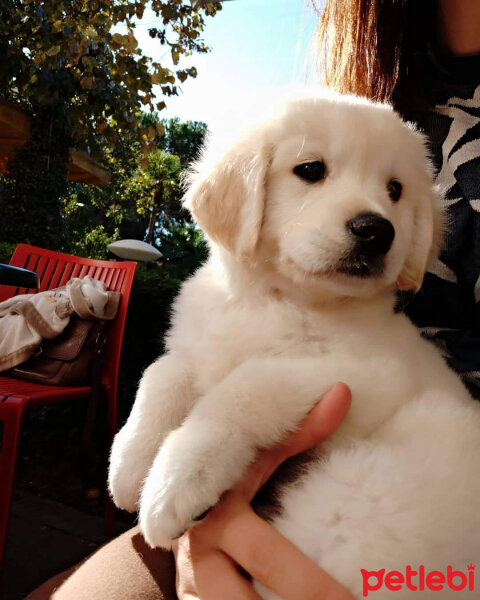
<point>314,219</point>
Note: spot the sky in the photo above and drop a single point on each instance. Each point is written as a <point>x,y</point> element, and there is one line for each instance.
<point>256,46</point>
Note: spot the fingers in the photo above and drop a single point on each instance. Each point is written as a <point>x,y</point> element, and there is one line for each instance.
<point>269,557</point>
<point>205,572</point>
<point>217,578</point>
<point>322,421</point>
<point>184,577</point>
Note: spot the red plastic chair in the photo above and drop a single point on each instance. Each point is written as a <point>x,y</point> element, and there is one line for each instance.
<point>54,269</point>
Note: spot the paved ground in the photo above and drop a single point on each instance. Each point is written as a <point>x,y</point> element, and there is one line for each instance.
<point>46,537</point>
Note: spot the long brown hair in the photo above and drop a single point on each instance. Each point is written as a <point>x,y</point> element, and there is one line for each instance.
<point>378,49</point>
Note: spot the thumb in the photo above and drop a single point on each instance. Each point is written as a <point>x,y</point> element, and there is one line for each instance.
<point>320,423</point>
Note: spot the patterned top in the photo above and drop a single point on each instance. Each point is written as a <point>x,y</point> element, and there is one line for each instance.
<point>447,308</point>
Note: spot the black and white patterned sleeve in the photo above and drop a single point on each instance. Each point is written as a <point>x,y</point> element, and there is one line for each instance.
<point>447,308</point>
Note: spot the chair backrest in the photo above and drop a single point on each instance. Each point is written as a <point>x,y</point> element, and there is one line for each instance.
<point>54,269</point>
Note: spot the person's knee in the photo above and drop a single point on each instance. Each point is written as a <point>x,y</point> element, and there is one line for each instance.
<point>124,568</point>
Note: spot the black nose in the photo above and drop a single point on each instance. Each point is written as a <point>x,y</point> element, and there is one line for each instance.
<point>373,233</point>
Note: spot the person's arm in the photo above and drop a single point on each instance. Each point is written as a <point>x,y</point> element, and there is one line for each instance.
<point>232,535</point>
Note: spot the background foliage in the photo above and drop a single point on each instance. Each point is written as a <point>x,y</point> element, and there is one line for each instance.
<point>70,55</point>
<point>76,67</point>
<point>143,197</point>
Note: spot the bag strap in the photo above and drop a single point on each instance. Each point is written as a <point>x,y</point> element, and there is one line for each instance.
<point>99,353</point>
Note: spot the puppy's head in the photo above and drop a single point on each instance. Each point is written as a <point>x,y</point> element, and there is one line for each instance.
<point>332,193</point>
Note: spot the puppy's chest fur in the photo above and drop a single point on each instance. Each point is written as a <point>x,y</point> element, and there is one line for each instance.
<point>235,332</point>
<point>215,334</point>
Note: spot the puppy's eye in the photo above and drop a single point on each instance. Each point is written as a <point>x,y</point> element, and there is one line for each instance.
<point>394,188</point>
<point>311,171</point>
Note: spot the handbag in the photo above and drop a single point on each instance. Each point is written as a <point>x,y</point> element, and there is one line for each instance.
<point>68,359</point>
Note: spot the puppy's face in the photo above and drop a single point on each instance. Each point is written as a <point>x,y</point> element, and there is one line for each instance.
<point>331,194</point>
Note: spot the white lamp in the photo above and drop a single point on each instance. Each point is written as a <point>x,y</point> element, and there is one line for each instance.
<point>134,250</point>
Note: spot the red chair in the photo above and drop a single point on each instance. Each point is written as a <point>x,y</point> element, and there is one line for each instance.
<point>54,269</point>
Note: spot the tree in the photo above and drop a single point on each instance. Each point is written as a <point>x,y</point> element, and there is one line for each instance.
<point>142,200</point>
<point>183,138</point>
<point>76,67</point>
<point>155,187</point>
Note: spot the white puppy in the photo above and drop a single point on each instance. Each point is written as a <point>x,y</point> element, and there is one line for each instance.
<point>314,219</point>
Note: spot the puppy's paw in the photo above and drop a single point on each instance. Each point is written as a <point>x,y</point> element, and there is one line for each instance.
<point>129,465</point>
<point>190,473</point>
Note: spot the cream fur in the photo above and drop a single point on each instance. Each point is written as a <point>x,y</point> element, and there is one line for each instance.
<point>267,326</point>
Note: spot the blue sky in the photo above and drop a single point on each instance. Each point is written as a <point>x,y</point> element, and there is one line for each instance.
<point>256,46</point>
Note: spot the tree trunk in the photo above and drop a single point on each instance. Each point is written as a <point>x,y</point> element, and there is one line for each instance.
<point>153,215</point>
<point>151,226</point>
<point>32,190</point>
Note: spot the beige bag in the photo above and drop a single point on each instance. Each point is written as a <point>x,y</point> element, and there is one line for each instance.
<point>67,359</point>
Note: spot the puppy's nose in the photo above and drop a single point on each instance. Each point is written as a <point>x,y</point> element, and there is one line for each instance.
<point>373,233</point>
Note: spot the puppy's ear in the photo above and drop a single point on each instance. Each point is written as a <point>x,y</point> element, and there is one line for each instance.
<point>426,240</point>
<point>226,197</point>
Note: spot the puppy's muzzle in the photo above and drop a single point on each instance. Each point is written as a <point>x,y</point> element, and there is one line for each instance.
<point>371,236</point>
<point>372,233</point>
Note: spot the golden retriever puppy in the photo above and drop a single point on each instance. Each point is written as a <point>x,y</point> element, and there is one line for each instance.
<point>314,219</point>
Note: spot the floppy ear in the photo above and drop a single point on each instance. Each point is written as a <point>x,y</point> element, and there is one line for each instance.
<point>227,199</point>
<point>426,240</point>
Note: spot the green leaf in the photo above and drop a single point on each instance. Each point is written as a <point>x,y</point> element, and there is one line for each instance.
<point>102,17</point>
<point>53,51</point>
<point>118,38</point>
<point>130,43</point>
<point>182,75</point>
<point>151,134</point>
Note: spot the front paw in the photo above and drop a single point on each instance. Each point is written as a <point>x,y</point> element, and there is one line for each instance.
<point>190,473</point>
<point>129,465</point>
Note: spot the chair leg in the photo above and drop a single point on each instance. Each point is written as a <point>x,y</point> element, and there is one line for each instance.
<point>109,516</point>
<point>111,416</point>
<point>112,430</point>
<point>11,415</point>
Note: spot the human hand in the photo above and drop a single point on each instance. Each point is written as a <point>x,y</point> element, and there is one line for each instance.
<point>208,557</point>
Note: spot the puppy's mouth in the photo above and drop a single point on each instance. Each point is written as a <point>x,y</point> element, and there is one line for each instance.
<point>355,259</point>
<point>351,264</point>
<point>361,265</point>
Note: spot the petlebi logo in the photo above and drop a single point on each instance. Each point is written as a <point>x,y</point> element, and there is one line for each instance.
<point>419,580</point>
